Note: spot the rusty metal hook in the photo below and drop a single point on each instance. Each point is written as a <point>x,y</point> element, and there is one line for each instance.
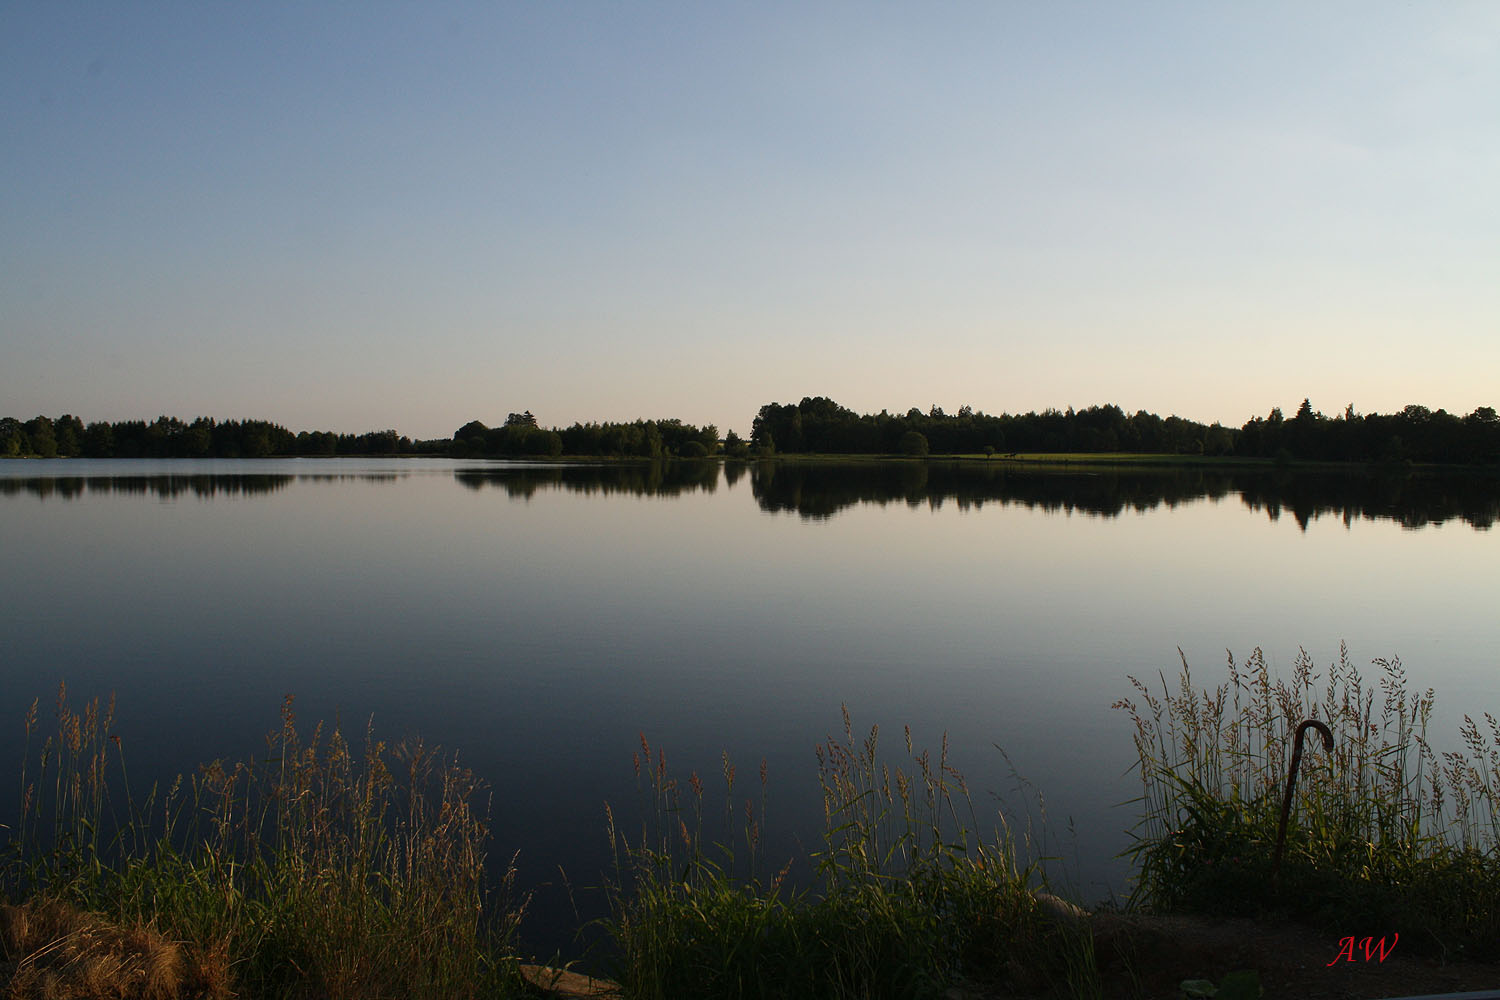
<point>1291,784</point>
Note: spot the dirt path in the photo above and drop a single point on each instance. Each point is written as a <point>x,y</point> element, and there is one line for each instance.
<point>1149,957</point>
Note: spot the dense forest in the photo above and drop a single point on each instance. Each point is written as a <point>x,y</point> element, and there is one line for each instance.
<point>520,436</point>
<point>168,437</point>
<point>1415,434</point>
<point>816,425</point>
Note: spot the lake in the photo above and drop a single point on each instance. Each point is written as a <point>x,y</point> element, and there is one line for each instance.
<point>539,619</point>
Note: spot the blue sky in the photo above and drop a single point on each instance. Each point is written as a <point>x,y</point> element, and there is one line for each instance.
<point>359,216</point>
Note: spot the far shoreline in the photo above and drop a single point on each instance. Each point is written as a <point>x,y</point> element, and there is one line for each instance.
<point>1050,461</point>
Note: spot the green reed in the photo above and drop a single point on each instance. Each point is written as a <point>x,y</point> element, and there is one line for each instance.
<point>907,897</point>
<point>1386,834</point>
<point>321,869</point>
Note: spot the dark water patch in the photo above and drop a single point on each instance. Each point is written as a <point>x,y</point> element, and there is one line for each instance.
<point>166,487</point>
<point>665,479</point>
<point>202,486</point>
<point>1413,500</point>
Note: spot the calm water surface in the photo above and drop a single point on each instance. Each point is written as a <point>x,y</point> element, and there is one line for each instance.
<point>538,620</point>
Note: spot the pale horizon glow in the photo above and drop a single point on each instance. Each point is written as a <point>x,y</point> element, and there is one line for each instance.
<point>354,217</point>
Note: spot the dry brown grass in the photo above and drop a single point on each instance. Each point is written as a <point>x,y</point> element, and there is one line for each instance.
<point>319,869</point>
<point>55,951</point>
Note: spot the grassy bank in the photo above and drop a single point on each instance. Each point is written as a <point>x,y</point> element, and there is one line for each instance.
<point>326,869</point>
<point>1386,834</point>
<point>910,895</point>
<point>322,869</point>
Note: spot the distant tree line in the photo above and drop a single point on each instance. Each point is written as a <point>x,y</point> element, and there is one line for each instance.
<point>818,424</point>
<point>1416,434</point>
<point>814,425</point>
<point>520,436</point>
<point>169,437</point>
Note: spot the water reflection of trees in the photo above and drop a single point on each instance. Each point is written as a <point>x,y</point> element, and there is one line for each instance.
<point>1413,500</point>
<point>164,487</point>
<point>821,490</point>
<point>170,486</point>
<point>634,478</point>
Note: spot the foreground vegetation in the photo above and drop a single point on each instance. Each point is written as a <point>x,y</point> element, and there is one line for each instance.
<point>909,895</point>
<point>1388,835</point>
<point>327,870</point>
<point>322,870</point>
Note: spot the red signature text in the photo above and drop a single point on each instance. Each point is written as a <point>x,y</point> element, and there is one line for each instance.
<point>1351,948</point>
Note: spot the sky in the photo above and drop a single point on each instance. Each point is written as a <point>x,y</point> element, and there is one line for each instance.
<point>358,216</point>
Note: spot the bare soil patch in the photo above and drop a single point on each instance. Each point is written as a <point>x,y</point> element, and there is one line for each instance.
<point>1149,957</point>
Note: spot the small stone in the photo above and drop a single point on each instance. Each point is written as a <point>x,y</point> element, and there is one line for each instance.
<point>1059,910</point>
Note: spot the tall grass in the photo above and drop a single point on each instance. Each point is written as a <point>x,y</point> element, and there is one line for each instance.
<point>1387,833</point>
<point>319,870</point>
<point>907,897</point>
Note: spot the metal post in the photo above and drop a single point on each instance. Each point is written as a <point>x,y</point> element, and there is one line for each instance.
<point>1291,784</point>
